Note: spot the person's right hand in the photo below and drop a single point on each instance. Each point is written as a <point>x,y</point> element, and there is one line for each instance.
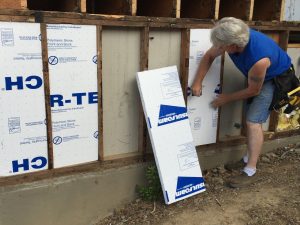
<point>196,89</point>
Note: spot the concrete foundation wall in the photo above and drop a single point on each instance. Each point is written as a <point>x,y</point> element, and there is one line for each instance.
<point>83,198</point>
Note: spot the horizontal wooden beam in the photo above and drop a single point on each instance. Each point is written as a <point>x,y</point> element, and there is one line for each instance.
<point>294,45</point>
<point>131,21</point>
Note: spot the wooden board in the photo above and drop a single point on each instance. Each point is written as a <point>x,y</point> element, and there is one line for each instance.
<point>13,4</point>
<point>121,54</point>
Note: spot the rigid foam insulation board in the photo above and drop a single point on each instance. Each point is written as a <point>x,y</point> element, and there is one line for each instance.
<point>170,133</point>
<point>22,122</point>
<point>203,117</point>
<point>72,57</point>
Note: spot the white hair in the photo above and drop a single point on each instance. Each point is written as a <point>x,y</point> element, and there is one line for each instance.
<point>228,31</point>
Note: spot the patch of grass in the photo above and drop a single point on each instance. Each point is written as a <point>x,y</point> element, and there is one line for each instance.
<point>152,191</point>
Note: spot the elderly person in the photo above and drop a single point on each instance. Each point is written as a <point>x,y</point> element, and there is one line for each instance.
<point>259,59</point>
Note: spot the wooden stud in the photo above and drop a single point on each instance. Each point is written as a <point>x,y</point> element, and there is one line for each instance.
<point>217,9</point>
<point>174,8</point>
<point>47,94</point>
<point>82,4</point>
<point>184,61</point>
<point>282,39</point>
<point>251,10</point>
<point>100,94</point>
<point>178,8</point>
<point>133,7</point>
<point>282,10</point>
<point>144,55</point>
<point>13,4</point>
<point>23,4</point>
<point>221,85</point>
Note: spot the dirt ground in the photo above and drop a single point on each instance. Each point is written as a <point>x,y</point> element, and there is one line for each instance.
<point>273,200</point>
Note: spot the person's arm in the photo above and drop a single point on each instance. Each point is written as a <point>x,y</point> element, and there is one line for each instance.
<point>204,66</point>
<point>256,78</point>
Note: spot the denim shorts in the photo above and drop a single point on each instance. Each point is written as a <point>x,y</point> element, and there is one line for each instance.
<point>258,110</point>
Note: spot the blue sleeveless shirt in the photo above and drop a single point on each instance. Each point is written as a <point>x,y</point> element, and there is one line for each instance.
<point>261,46</point>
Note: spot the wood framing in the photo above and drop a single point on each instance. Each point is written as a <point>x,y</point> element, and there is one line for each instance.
<point>184,61</point>
<point>281,38</point>
<point>133,4</point>
<point>47,94</point>
<point>178,8</point>
<point>217,9</point>
<point>13,4</point>
<point>100,96</point>
<point>281,30</point>
<point>203,9</point>
<point>130,21</point>
<point>144,53</point>
<point>282,10</point>
<point>251,10</point>
<point>221,83</point>
<point>82,4</point>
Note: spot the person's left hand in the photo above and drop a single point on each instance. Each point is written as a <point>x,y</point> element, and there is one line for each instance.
<point>220,100</point>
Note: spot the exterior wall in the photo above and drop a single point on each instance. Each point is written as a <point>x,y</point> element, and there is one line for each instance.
<point>83,198</point>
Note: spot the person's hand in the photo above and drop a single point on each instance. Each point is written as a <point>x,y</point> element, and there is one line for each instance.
<point>196,89</point>
<point>220,100</point>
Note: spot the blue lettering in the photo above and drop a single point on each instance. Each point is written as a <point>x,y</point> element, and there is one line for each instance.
<point>79,97</point>
<point>20,84</point>
<point>56,99</point>
<point>93,97</point>
<point>38,162</point>
<point>39,82</point>
<point>9,83</point>
<point>24,165</point>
